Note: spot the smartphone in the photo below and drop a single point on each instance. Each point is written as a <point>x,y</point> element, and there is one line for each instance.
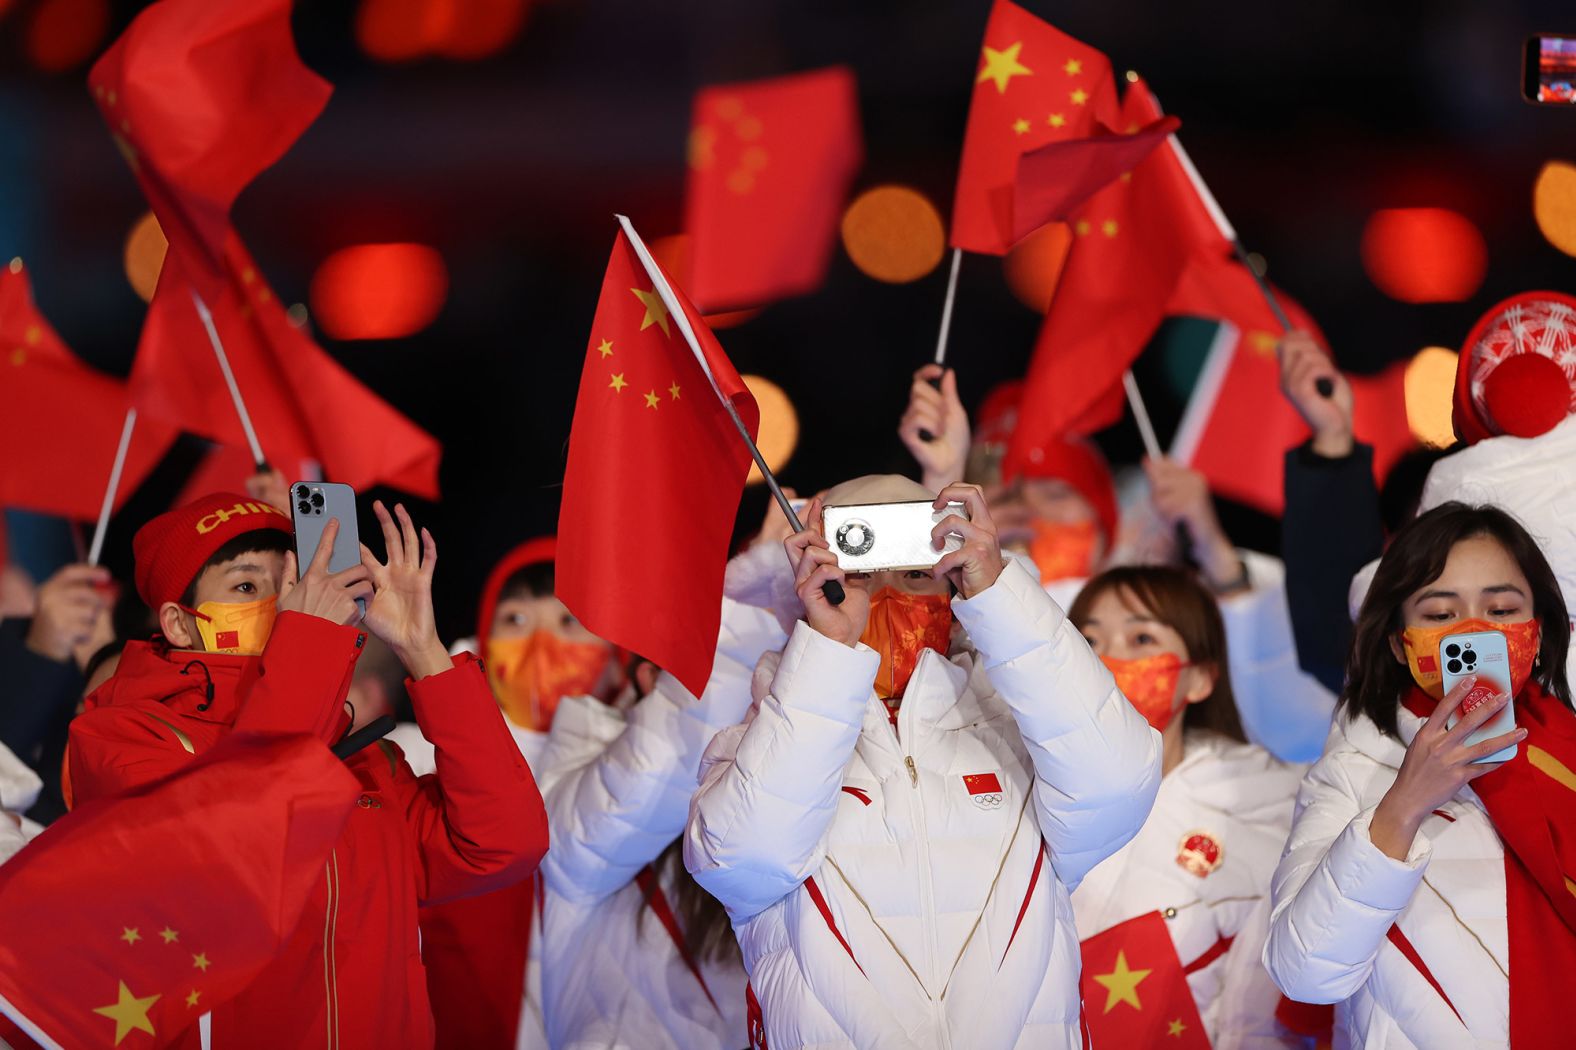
<point>872,537</point>
<point>1548,69</point>
<point>313,504</point>
<point>1484,654</point>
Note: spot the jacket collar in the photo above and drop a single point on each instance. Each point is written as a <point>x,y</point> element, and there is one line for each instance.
<point>205,686</point>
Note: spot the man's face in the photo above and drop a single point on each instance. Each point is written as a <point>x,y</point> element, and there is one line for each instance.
<point>247,577</point>
<point>914,581</point>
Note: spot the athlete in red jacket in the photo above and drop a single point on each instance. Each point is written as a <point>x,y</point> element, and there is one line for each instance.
<point>216,571</point>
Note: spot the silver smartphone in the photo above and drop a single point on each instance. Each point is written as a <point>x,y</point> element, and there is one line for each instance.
<point>1486,655</point>
<point>873,537</point>
<point>313,504</point>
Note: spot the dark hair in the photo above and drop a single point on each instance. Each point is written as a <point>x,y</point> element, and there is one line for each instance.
<point>708,932</point>
<point>529,581</point>
<point>258,540</point>
<point>1375,679</point>
<point>1176,598</point>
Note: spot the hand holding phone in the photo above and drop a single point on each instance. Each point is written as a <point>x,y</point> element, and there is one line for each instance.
<point>334,584</point>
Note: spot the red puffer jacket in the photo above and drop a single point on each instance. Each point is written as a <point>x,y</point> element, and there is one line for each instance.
<point>351,975</point>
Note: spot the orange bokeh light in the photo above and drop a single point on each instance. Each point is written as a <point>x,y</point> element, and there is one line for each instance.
<point>1424,255</point>
<point>379,291</point>
<point>1430,392</point>
<point>1554,204</point>
<point>63,34</point>
<point>144,255</point>
<point>894,234</point>
<point>1034,265</point>
<point>401,30</point>
<point>779,430</point>
<point>673,255</point>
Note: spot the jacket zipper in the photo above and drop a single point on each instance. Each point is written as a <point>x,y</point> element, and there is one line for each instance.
<point>330,932</point>
<point>926,884</point>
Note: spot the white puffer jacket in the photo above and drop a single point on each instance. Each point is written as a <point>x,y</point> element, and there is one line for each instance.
<point>1240,796</point>
<point>618,792</point>
<point>881,899</point>
<point>1337,896</point>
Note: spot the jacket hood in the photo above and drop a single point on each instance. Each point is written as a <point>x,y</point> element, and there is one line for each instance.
<point>531,552</point>
<point>1241,779</point>
<point>154,671</point>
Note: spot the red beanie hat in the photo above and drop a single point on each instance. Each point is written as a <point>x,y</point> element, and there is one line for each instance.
<point>998,414</point>
<point>1078,463</point>
<point>1516,373</point>
<point>170,550</point>
<point>531,552</point>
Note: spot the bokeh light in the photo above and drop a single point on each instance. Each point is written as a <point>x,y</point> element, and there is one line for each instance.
<point>894,234</point>
<point>63,34</point>
<point>1034,265</point>
<point>144,255</point>
<point>402,30</point>
<point>379,291</point>
<point>1424,255</point>
<point>673,255</point>
<point>779,432</point>
<point>1430,389</point>
<point>1554,204</point>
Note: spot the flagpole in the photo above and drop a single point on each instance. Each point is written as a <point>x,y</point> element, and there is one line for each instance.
<point>832,589</point>
<point>229,381</point>
<point>946,327</point>
<point>1146,431</point>
<point>114,485</point>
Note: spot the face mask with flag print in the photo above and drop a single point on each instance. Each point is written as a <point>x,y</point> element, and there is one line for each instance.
<point>1062,551</point>
<point>900,627</point>
<point>1421,645</point>
<point>530,675</point>
<point>236,628</point>
<point>1150,684</point>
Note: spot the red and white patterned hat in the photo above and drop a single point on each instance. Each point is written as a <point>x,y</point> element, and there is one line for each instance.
<point>1517,370</point>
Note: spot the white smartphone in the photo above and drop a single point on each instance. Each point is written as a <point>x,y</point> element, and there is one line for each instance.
<point>312,505</point>
<point>873,537</point>
<point>1486,655</point>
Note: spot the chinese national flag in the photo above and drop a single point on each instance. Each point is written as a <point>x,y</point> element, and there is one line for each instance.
<point>1238,425</point>
<point>201,96</point>
<point>225,468</point>
<point>140,913</point>
<point>1132,242</point>
<point>60,421</point>
<point>770,162</point>
<point>1053,180</point>
<point>654,476</point>
<point>1135,991</point>
<point>1035,85</point>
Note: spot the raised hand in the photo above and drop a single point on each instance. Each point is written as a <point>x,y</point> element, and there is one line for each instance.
<point>67,609</point>
<point>401,609</point>
<point>1302,365</point>
<point>270,487</point>
<point>814,566</point>
<point>331,596</point>
<point>1181,496</point>
<point>940,414</point>
<point>978,563</point>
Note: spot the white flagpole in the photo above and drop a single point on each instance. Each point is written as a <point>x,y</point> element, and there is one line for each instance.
<point>229,381</point>
<point>1146,429</point>
<point>114,486</point>
<point>946,326</point>
<point>833,590</point>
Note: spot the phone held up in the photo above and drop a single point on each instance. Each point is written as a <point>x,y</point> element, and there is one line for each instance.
<point>313,504</point>
<point>1485,655</point>
<point>1548,69</point>
<point>873,537</point>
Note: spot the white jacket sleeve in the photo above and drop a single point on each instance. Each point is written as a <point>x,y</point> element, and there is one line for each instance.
<point>1284,709</point>
<point>1096,761</point>
<point>1335,894</point>
<point>613,809</point>
<point>758,824</point>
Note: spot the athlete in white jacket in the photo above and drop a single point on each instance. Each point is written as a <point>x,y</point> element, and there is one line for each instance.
<point>898,873</point>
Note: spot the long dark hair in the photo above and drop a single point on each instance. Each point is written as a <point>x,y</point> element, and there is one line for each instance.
<point>708,933</point>
<point>1375,679</point>
<point>1175,598</point>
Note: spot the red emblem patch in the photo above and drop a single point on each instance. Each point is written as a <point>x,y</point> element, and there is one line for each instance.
<point>227,639</point>
<point>984,789</point>
<point>1200,853</point>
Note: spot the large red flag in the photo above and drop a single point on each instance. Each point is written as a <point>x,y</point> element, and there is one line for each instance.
<point>202,95</point>
<point>1132,242</point>
<point>1055,179</point>
<point>60,421</point>
<point>1238,426</point>
<point>654,476</point>
<point>1135,989</point>
<point>1035,85</point>
<point>142,912</point>
<point>770,163</point>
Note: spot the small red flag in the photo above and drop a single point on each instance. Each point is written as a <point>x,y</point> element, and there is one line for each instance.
<point>61,421</point>
<point>654,476</point>
<point>1135,992</point>
<point>225,468</point>
<point>1035,85</point>
<point>1055,179</point>
<point>141,913</point>
<point>770,163</point>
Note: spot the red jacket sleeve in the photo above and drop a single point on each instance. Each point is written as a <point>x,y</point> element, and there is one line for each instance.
<point>479,820</point>
<point>301,679</point>
<point>112,749</point>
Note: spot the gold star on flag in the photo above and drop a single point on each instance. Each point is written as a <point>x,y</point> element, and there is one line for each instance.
<point>1108,227</point>
<point>200,960</point>
<point>1021,126</point>
<point>112,98</point>
<point>605,347</point>
<point>1056,120</point>
<point>1079,96</point>
<point>674,390</point>
<point>130,934</point>
<point>1263,342</point>
<point>33,335</point>
<point>170,936</point>
<point>128,1012</point>
<point>19,357</point>
<point>656,311</point>
<point>248,275</point>
<point>1176,1028</point>
<point>618,381</point>
<point>1081,228</point>
<point>1121,984</point>
<point>1073,67</point>
<point>1001,66</point>
<point>651,398</point>
<point>191,1000</point>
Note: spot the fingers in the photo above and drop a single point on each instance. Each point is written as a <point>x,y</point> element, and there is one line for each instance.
<point>973,499</point>
<point>362,590</point>
<point>949,389</point>
<point>393,547</point>
<point>408,535</point>
<point>1448,703</point>
<point>290,578</point>
<point>949,563</point>
<point>429,554</point>
<point>325,548</point>
<point>925,373</point>
<point>961,527</point>
<point>814,558</point>
<point>73,575</point>
<point>1484,748</point>
<point>810,589</point>
<point>350,577</point>
<point>376,569</point>
<point>1468,723</point>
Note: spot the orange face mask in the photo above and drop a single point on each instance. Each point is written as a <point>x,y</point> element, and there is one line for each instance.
<point>530,675</point>
<point>1422,651</point>
<point>236,628</point>
<point>1062,551</point>
<point>1150,684</point>
<point>901,626</point>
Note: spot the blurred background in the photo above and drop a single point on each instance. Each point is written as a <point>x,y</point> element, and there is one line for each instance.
<point>1381,161</point>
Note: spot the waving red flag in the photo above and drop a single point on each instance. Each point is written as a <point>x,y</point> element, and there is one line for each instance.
<point>1035,85</point>
<point>1135,989</point>
<point>1055,179</point>
<point>60,421</point>
<point>770,165</point>
<point>654,476</point>
<point>141,913</point>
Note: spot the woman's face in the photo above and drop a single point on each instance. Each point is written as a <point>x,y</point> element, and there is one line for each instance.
<point>1119,627</point>
<point>526,614</point>
<point>914,581</point>
<point>1481,581</point>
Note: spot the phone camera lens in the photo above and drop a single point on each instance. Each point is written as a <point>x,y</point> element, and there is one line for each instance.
<point>1470,657</point>
<point>317,499</point>
<point>304,507</point>
<point>1452,650</point>
<point>1454,667</point>
<point>301,491</point>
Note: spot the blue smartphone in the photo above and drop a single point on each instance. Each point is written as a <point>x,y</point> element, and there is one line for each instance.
<point>1486,655</point>
<point>312,505</point>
